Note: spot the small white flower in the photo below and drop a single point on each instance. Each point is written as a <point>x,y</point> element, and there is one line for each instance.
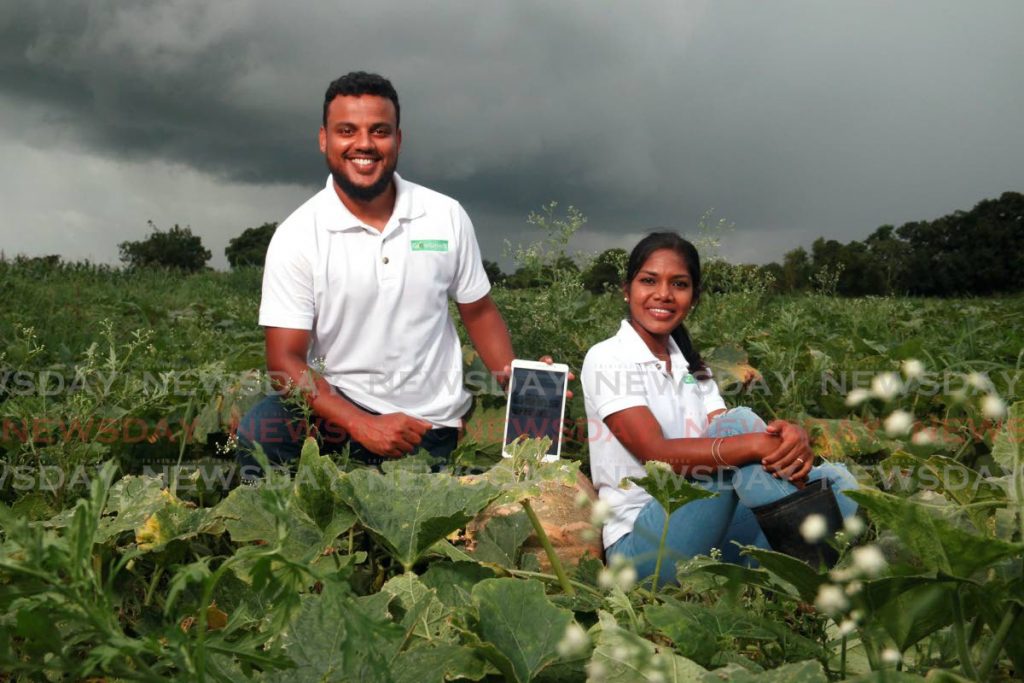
<point>814,528</point>
<point>626,579</point>
<point>925,437</point>
<point>854,587</point>
<point>891,656</point>
<point>853,526</point>
<point>899,423</point>
<point>847,627</point>
<point>857,396</point>
<point>993,407</point>
<point>621,653</point>
<point>661,465</point>
<point>606,578</point>
<point>588,535</point>
<point>913,369</point>
<point>886,386</point>
<point>654,676</point>
<point>582,499</point>
<point>596,672</point>
<point>831,599</point>
<point>600,512</point>
<point>574,642</point>
<point>958,395</point>
<point>979,381</point>
<point>868,559</point>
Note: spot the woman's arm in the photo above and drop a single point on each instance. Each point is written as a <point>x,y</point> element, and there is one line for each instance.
<point>782,449</point>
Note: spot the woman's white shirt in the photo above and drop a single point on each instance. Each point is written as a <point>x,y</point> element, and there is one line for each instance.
<point>619,373</point>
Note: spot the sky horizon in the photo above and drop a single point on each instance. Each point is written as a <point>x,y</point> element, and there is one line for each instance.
<point>791,120</point>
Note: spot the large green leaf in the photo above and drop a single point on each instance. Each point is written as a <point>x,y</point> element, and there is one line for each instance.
<point>791,570</point>
<point>333,639</point>
<point>672,490</point>
<point>841,440</point>
<point>502,537</point>
<point>521,623</point>
<point>524,474</point>
<point>249,516</point>
<point>797,672</point>
<point>454,581</point>
<point>916,613</point>
<point>937,542</point>
<point>426,617</point>
<point>410,511</point>
<point>621,656</point>
<point>438,663</point>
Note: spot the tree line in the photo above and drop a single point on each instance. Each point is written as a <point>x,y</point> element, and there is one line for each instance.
<point>977,252</point>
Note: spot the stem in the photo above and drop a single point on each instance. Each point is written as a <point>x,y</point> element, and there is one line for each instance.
<point>556,564</point>
<point>551,577</point>
<point>661,556</point>
<point>963,651</point>
<point>842,660</point>
<point>1002,633</point>
<point>181,446</point>
<point>152,585</point>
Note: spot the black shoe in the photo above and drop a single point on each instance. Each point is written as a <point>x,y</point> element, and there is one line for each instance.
<point>780,521</point>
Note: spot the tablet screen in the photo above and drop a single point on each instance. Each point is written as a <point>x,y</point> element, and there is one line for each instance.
<point>535,401</point>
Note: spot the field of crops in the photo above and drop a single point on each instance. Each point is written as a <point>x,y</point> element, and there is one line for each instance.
<point>126,554</point>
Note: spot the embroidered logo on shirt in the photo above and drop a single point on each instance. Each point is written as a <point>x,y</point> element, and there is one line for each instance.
<point>689,379</point>
<point>430,245</point>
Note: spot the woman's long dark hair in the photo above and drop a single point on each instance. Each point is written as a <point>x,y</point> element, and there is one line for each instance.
<point>670,240</point>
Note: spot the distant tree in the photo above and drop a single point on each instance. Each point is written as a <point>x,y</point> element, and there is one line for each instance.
<point>606,271</point>
<point>176,248</point>
<point>250,248</point>
<point>493,271</point>
<point>796,270</point>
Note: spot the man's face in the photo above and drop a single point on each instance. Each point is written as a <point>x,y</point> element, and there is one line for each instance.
<point>361,142</point>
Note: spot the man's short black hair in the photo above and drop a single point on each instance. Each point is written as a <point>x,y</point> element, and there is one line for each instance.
<point>362,83</point>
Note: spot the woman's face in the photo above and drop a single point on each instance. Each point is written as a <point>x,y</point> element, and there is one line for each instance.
<point>660,295</point>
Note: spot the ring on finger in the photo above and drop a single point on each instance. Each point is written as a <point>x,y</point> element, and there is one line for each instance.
<point>800,460</point>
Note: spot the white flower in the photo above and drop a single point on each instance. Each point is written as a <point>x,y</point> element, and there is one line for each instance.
<point>993,407</point>
<point>979,381</point>
<point>813,528</point>
<point>853,526</point>
<point>891,656</point>
<point>913,369</point>
<point>831,599</point>
<point>925,437</point>
<point>626,579</point>
<point>600,512</point>
<point>654,676</point>
<point>868,559</point>
<point>595,671</point>
<point>581,499</point>
<point>886,386</point>
<point>854,587</point>
<point>847,627</point>
<point>857,396</point>
<point>574,641</point>
<point>899,423</point>
<point>619,574</point>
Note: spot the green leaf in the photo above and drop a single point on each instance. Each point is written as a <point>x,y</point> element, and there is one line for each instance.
<point>438,663</point>
<point>789,569</point>
<point>521,623</point>
<point>524,474</point>
<point>315,490</point>
<point>454,581</point>
<point>937,542</point>
<point>1008,446</point>
<point>621,656</point>
<point>843,440</point>
<point>333,639</point>
<point>249,515</point>
<point>409,511</point>
<point>502,537</point>
<point>916,613</point>
<point>797,672</point>
<point>426,616</point>
<point>672,490</point>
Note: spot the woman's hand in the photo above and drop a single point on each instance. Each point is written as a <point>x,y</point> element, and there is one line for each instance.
<point>792,458</point>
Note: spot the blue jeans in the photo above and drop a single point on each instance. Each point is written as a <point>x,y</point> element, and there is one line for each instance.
<point>701,525</point>
<point>280,429</point>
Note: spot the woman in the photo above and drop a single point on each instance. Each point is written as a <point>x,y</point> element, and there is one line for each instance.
<point>649,396</point>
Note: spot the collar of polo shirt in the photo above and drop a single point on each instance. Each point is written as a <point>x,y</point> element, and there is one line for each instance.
<point>636,348</point>
<point>407,207</point>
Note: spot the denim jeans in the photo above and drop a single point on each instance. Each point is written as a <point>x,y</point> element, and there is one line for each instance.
<point>280,429</point>
<point>701,525</point>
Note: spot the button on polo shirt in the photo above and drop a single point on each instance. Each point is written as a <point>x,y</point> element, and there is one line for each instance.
<point>621,373</point>
<point>376,301</point>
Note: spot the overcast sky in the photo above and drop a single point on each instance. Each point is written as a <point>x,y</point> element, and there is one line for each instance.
<point>792,120</point>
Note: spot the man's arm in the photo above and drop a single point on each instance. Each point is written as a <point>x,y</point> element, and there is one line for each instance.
<point>489,334</point>
<point>394,434</point>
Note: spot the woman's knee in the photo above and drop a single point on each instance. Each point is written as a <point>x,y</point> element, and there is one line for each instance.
<point>740,420</point>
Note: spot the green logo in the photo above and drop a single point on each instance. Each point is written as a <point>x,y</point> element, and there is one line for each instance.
<point>430,245</point>
<point>689,379</point>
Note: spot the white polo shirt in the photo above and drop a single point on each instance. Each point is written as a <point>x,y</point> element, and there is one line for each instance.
<point>621,373</point>
<point>376,301</point>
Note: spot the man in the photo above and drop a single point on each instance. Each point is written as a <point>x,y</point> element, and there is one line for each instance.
<point>359,279</point>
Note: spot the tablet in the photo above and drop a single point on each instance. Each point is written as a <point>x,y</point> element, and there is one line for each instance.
<point>536,404</point>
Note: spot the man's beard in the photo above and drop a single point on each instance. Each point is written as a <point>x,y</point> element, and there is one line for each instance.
<point>363,193</point>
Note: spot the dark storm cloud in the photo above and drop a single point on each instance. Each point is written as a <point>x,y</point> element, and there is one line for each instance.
<point>789,118</point>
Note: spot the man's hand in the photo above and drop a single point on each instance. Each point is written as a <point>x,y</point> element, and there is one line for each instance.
<point>506,373</point>
<point>392,435</point>
<point>793,458</point>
